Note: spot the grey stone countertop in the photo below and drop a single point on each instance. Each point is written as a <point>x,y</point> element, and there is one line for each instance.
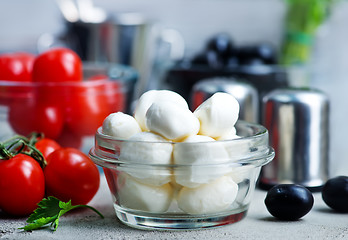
<point>319,223</point>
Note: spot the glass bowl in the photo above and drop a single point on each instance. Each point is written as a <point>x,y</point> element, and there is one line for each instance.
<point>151,195</point>
<point>68,112</point>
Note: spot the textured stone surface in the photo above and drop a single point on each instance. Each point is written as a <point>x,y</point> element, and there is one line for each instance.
<point>319,223</point>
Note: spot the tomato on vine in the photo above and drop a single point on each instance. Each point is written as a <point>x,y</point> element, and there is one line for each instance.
<point>22,181</point>
<point>71,175</point>
<point>43,144</point>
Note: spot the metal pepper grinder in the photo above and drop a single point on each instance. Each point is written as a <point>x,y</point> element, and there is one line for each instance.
<point>298,125</point>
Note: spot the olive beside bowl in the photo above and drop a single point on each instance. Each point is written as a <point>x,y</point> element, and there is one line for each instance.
<point>292,201</point>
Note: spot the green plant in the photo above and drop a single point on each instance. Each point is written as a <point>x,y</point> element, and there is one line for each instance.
<point>302,21</point>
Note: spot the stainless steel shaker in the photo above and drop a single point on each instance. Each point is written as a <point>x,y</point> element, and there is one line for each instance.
<point>245,94</point>
<point>298,125</point>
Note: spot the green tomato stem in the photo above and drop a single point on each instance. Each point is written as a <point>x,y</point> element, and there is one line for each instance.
<point>11,146</point>
<point>4,153</point>
<point>36,154</point>
<point>34,137</point>
<point>19,144</point>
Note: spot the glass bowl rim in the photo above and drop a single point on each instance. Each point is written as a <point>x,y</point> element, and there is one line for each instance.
<point>260,133</point>
<point>125,74</point>
<point>259,159</point>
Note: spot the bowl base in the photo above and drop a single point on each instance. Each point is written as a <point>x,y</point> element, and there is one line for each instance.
<point>177,222</point>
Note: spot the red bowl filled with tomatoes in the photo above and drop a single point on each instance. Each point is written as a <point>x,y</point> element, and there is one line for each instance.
<point>56,94</point>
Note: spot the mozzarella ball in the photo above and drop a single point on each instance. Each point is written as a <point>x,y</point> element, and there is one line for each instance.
<point>136,195</point>
<point>171,121</point>
<point>238,148</point>
<point>229,135</point>
<point>120,125</point>
<point>149,97</point>
<point>208,198</point>
<point>148,149</point>
<point>217,114</point>
<point>201,157</point>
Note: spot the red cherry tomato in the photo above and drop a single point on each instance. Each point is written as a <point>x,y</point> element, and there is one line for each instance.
<point>28,115</point>
<point>57,65</point>
<point>89,104</point>
<point>46,146</point>
<point>16,66</point>
<point>71,175</point>
<point>69,139</point>
<point>22,185</point>
<point>116,96</point>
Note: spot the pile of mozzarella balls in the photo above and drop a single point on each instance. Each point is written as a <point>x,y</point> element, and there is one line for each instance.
<point>163,131</point>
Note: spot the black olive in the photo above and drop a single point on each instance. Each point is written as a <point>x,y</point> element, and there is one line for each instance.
<point>232,62</point>
<point>267,53</point>
<point>221,44</point>
<point>245,54</point>
<point>289,201</point>
<point>210,59</point>
<point>200,59</point>
<point>263,53</point>
<point>214,60</point>
<point>335,193</point>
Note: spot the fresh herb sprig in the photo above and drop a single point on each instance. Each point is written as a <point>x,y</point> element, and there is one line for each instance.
<point>49,211</point>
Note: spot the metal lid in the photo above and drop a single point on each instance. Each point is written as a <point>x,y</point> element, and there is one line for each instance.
<point>298,124</point>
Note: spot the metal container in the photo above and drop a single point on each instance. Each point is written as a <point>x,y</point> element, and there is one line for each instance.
<point>123,38</point>
<point>245,94</point>
<point>298,124</point>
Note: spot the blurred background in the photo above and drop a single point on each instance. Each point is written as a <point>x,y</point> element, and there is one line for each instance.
<point>247,20</point>
<point>181,30</point>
